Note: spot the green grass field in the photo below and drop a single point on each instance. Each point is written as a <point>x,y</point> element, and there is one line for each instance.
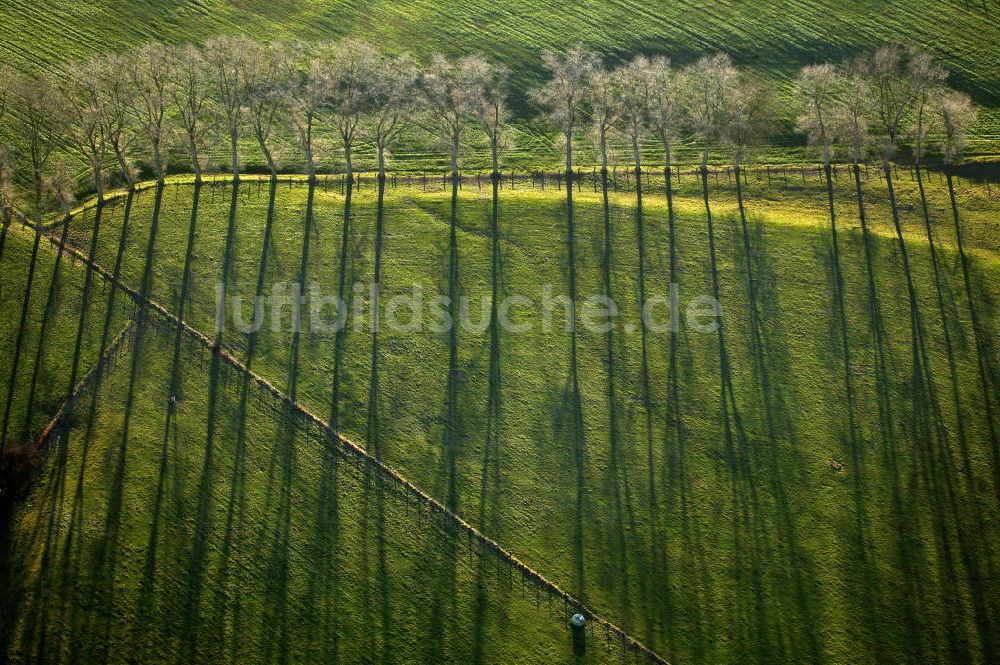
<point>703,546</point>
<point>773,40</point>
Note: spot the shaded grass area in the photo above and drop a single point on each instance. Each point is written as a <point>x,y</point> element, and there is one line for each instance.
<point>223,531</point>
<point>703,554</point>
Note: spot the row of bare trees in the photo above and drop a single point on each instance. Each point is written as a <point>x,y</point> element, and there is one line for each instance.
<point>112,111</point>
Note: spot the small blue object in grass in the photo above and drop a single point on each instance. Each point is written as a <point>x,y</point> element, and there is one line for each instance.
<point>578,621</point>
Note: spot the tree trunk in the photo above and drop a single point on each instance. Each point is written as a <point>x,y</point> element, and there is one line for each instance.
<point>349,159</point>
<point>267,156</point>
<point>636,156</point>
<point>157,158</point>
<point>234,157</point>
<point>569,148</point>
<point>98,170</point>
<point>195,159</point>
<point>123,163</point>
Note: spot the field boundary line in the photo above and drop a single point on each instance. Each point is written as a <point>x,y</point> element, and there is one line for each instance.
<point>357,452</point>
<point>110,354</point>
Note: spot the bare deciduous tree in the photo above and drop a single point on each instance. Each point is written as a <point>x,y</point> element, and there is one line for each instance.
<point>40,126</point>
<point>148,70</point>
<point>565,93</point>
<point>926,80</point>
<point>189,88</point>
<point>636,81</point>
<point>892,95</point>
<point>392,91</point>
<point>749,112</point>
<point>307,94</point>
<point>351,65</point>
<point>852,110</point>
<point>819,89</point>
<point>227,59</point>
<point>86,130</point>
<point>492,111</point>
<point>708,84</point>
<point>602,95</point>
<point>120,123</point>
<point>664,106</point>
<point>956,113</point>
<point>452,90</point>
<point>267,71</point>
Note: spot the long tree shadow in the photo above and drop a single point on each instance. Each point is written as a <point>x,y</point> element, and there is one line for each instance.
<point>908,542</point>
<point>934,455</point>
<point>762,641</point>
<point>72,547</point>
<point>303,275</point>
<point>861,549</point>
<point>490,479</point>
<point>147,586</point>
<point>343,314</point>
<point>48,312</point>
<point>618,468</point>
<point>676,484</point>
<point>452,436</point>
<point>765,352</point>
<point>233,540</point>
<point>374,482</point>
<point>198,557</point>
<point>572,395</point>
<point>982,358</point>
<point>107,549</point>
<point>491,472</point>
<point>57,486</point>
<point>19,340</point>
<point>960,417</point>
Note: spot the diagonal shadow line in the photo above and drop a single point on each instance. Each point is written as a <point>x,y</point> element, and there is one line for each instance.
<point>977,333</point>
<point>767,389</point>
<point>343,314</point>
<point>744,487</point>
<point>19,341</point>
<point>107,550</point>
<point>938,461</point>
<point>576,407</point>
<point>354,451</point>
<point>51,303</point>
<point>906,528</point>
<point>619,469</point>
<point>863,538</point>
<point>963,442</point>
<point>72,547</point>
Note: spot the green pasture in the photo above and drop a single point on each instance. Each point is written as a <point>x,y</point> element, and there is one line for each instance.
<point>773,39</point>
<point>705,547</point>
